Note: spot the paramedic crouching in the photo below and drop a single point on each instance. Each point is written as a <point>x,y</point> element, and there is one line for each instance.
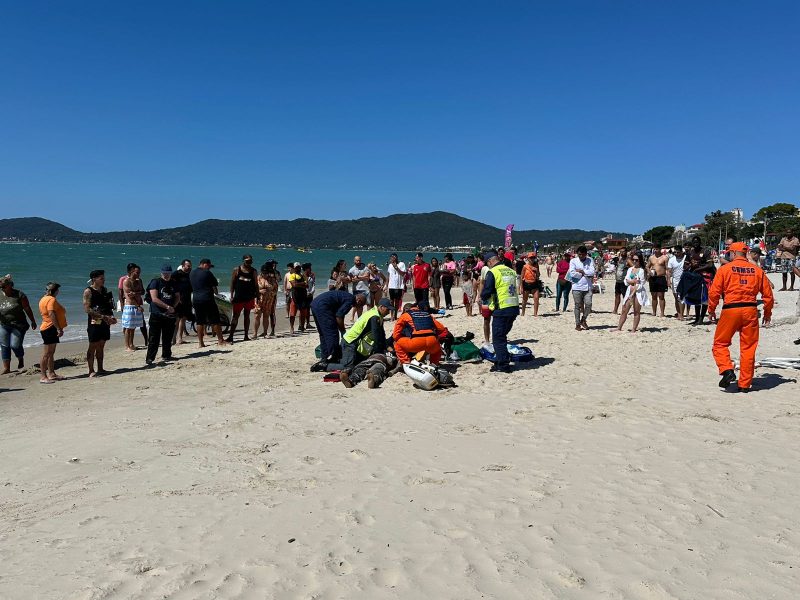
<point>364,338</point>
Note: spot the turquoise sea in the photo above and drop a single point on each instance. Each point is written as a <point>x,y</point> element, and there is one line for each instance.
<point>34,264</point>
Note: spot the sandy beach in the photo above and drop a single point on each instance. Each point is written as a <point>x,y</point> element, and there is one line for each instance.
<point>610,467</point>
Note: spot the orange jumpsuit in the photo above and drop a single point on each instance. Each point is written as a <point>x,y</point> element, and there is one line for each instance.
<point>415,331</point>
<point>739,282</point>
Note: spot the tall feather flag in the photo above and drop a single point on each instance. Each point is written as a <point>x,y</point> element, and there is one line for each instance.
<point>509,229</point>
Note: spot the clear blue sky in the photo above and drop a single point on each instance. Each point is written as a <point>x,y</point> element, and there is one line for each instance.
<point>600,115</point>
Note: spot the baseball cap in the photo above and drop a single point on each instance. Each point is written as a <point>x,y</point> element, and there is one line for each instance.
<point>489,254</point>
<point>386,303</point>
<point>206,261</point>
<point>297,264</point>
<point>166,268</point>
<point>738,247</point>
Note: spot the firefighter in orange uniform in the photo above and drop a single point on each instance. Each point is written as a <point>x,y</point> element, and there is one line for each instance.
<point>738,282</point>
<point>416,330</point>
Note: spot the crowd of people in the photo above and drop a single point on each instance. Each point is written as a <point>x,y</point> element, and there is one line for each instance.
<point>496,284</point>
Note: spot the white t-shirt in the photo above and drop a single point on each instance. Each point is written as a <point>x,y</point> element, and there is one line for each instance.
<point>677,269</point>
<point>361,286</point>
<point>581,283</point>
<point>395,277</point>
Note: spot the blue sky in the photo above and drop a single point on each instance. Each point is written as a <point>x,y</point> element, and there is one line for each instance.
<point>599,115</point>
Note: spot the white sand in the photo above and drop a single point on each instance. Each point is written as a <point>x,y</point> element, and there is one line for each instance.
<point>613,468</point>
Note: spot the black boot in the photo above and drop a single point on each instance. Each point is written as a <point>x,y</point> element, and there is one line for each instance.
<point>728,377</point>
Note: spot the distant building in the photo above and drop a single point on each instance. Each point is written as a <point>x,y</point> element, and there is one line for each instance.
<point>738,215</point>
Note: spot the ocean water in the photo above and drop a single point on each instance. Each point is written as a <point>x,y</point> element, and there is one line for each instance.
<point>34,264</point>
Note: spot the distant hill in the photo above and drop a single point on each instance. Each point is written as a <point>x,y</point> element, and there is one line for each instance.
<point>38,229</point>
<point>395,231</point>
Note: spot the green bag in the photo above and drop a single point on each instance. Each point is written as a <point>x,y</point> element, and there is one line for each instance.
<point>466,351</point>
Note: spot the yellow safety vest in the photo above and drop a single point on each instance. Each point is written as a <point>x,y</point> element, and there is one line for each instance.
<point>358,333</point>
<point>505,288</point>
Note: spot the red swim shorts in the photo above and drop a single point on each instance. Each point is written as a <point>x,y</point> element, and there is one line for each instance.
<point>240,306</point>
<point>485,312</point>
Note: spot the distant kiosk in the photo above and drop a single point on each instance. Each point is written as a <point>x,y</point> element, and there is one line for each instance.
<point>615,245</point>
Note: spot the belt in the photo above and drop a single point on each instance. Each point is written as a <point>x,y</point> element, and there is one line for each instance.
<point>740,305</point>
<point>427,334</point>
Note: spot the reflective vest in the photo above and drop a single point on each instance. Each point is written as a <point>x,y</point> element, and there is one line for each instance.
<point>505,288</point>
<point>422,324</point>
<point>360,333</point>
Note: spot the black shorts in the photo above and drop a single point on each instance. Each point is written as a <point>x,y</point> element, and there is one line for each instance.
<point>396,294</point>
<point>532,287</point>
<point>184,310</point>
<point>619,288</point>
<point>658,284</point>
<point>99,333</point>
<point>50,336</point>
<point>206,313</point>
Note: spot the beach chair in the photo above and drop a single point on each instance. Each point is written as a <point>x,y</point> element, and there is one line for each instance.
<point>548,293</point>
<point>598,287</point>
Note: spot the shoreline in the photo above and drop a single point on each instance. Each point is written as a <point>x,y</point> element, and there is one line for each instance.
<point>235,472</point>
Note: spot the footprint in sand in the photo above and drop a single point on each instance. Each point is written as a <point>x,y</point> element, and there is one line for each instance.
<point>496,468</point>
<point>310,460</point>
<point>571,579</point>
<point>422,480</point>
<point>358,454</point>
<point>339,566</point>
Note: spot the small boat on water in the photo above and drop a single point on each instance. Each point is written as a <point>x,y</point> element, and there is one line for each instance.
<point>304,250</point>
<point>270,247</point>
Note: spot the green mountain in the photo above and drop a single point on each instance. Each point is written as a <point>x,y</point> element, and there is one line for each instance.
<point>394,231</point>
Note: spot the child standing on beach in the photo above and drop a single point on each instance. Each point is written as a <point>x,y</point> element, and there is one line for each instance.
<point>468,287</point>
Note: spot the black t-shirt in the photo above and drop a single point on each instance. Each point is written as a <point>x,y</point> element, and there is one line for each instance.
<point>203,284</point>
<point>165,292</point>
<point>180,280</point>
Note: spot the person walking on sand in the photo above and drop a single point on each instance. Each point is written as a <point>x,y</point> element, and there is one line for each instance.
<point>636,293</point>
<point>180,280</point>
<point>14,307</point>
<point>563,285</point>
<point>396,284</point>
<point>675,266</point>
<point>448,271</point>
<point>435,283</point>
<point>132,294</point>
<point>788,249</point>
<point>531,283</point>
<point>500,296</point>
<point>299,292</point>
<point>739,282</point>
<point>206,312</point>
<point>581,274</point>
<point>98,303</point>
<point>468,289</point>
<point>164,297</point>
<point>244,290</point>
<point>359,277</point>
<point>54,321</point>
<point>267,298</point>
<point>620,270</point>
<point>421,276</point>
<point>657,275</point>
